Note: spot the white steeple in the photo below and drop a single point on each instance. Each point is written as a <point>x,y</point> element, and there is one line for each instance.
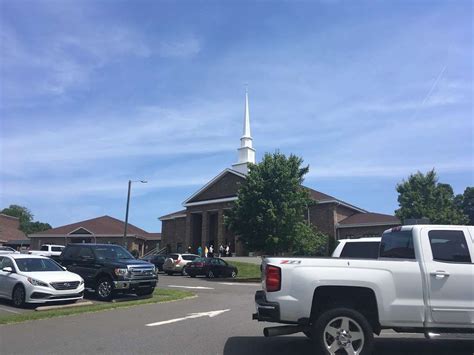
<point>246,151</point>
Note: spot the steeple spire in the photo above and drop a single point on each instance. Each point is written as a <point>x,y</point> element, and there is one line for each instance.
<point>246,151</point>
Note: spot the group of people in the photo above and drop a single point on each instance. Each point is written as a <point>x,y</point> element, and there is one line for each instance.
<point>209,252</point>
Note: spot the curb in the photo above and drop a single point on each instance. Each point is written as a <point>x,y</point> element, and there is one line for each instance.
<point>61,306</point>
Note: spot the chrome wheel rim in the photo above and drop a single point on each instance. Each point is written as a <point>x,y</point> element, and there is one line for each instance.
<point>18,296</point>
<point>210,274</point>
<point>104,289</point>
<point>234,274</point>
<point>343,333</point>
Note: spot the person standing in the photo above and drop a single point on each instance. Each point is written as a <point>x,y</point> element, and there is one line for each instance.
<point>221,251</point>
<point>227,250</point>
<point>199,251</point>
<point>211,251</point>
<point>205,251</point>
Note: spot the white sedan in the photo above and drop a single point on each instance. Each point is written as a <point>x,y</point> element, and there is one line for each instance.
<point>36,279</point>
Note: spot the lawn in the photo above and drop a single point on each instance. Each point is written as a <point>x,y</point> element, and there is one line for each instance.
<point>160,295</point>
<point>246,270</point>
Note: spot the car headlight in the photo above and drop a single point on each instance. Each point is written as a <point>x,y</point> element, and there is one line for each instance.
<point>120,272</point>
<point>35,282</point>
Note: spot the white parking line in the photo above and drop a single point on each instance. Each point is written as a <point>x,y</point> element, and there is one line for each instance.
<point>210,314</point>
<point>240,283</point>
<point>9,310</point>
<point>193,287</point>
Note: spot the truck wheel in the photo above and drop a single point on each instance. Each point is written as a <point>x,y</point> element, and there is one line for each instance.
<point>104,289</point>
<point>343,331</point>
<point>18,296</point>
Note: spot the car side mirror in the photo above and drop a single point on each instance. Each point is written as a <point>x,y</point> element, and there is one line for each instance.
<point>7,269</point>
<point>64,268</point>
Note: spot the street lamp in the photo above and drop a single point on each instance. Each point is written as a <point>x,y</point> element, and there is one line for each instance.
<point>128,205</point>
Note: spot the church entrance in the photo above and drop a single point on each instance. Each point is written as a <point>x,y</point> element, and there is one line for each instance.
<point>213,219</point>
<point>196,231</point>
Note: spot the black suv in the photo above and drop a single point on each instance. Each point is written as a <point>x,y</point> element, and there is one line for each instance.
<point>108,269</point>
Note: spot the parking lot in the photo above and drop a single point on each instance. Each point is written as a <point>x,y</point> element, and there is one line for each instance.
<point>218,321</point>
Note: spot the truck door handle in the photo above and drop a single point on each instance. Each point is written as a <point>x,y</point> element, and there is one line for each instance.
<point>439,274</point>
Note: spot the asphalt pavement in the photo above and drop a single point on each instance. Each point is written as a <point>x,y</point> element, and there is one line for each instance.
<point>218,321</point>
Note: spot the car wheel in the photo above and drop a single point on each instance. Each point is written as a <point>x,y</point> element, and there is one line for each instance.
<point>146,291</point>
<point>210,274</point>
<point>192,275</point>
<point>169,273</point>
<point>233,274</point>
<point>18,296</point>
<point>104,289</point>
<point>342,330</point>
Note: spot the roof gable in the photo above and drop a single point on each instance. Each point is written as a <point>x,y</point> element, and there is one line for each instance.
<point>104,225</point>
<point>80,230</point>
<point>224,185</point>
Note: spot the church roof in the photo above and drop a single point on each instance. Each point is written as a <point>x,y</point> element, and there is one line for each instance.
<point>178,214</point>
<point>104,225</point>
<point>324,198</point>
<point>370,218</point>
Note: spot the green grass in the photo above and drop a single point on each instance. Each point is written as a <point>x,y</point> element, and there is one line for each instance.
<point>160,295</point>
<point>246,270</point>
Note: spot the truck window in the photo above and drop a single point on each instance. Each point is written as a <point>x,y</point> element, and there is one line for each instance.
<point>44,248</point>
<point>397,245</point>
<point>361,250</point>
<point>449,246</point>
<point>57,248</point>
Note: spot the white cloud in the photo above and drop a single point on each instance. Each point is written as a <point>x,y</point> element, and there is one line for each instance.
<point>185,47</point>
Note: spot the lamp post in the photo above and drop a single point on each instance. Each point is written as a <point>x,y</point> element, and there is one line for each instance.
<point>126,212</point>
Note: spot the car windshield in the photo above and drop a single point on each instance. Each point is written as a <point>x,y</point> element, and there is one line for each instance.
<point>113,252</point>
<point>35,265</point>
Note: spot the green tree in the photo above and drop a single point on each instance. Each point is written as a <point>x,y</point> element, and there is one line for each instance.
<point>423,196</point>
<point>35,227</point>
<point>269,214</point>
<point>465,203</point>
<point>27,225</point>
<point>23,213</point>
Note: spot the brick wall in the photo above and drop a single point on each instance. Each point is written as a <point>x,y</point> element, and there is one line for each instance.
<point>322,216</point>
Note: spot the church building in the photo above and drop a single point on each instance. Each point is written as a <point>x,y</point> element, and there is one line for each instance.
<point>202,221</point>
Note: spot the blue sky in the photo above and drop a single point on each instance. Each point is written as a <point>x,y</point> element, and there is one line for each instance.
<point>96,93</point>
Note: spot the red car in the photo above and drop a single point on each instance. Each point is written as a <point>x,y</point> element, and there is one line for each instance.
<point>211,267</point>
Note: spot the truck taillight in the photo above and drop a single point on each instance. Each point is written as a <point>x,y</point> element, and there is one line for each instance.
<point>272,278</point>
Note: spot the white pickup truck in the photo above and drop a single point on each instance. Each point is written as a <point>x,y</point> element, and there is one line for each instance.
<point>422,282</point>
<point>49,250</point>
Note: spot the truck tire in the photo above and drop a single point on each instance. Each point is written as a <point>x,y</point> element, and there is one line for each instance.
<point>342,330</point>
<point>104,289</point>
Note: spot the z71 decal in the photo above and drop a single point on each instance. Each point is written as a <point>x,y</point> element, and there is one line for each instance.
<point>290,262</point>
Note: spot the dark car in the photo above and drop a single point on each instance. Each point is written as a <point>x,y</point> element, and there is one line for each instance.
<point>211,267</point>
<point>157,260</point>
<point>109,269</point>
